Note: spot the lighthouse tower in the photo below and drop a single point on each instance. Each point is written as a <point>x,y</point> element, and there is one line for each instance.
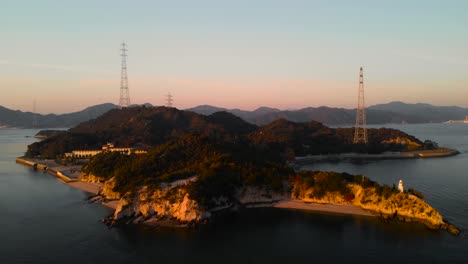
<point>401,188</point>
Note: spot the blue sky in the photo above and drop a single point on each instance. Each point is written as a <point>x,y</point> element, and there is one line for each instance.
<point>244,54</point>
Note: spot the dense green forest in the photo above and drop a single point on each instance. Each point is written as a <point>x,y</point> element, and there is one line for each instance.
<point>153,126</point>
<point>324,182</point>
<point>222,150</point>
<point>221,167</point>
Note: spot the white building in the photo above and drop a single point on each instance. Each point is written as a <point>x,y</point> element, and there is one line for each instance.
<point>401,188</point>
<point>85,154</point>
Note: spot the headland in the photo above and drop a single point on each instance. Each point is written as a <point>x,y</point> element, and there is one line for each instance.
<point>198,166</point>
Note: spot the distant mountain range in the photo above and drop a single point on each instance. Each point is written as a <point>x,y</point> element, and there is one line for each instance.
<point>16,118</point>
<point>394,112</point>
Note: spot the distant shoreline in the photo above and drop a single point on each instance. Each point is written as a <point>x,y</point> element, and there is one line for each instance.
<point>421,154</point>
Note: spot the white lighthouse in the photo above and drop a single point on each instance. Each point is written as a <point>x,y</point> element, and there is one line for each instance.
<point>401,188</point>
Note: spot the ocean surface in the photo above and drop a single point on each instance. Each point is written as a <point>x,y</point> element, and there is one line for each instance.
<point>44,221</point>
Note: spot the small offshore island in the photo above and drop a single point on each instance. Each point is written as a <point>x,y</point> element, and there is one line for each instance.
<point>181,168</point>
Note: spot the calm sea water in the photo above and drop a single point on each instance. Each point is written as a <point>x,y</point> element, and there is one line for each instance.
<point>45,221</point>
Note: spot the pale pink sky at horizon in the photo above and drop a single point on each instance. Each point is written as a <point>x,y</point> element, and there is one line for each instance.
<point>246,93</point>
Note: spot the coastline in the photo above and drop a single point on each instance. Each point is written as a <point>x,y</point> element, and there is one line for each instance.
<point>65,173</point>
<point>290,203</point>
<point>419,154</point>
<point>70,179</point>
<point>93,188</point>
<point>323,207</point>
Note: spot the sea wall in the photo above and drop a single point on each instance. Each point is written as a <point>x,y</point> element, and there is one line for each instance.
<point>26,162</point>
<point>436,153</point>
<point>49,167</point>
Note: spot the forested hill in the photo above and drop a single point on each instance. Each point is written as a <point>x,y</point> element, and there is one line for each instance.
<point>393,112</point>
<point>299,139</point>
<point>153,126</point>
<point>144,126</point>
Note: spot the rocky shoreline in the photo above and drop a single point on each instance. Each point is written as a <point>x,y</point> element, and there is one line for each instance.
<point>187,213</point>
<point>171,205</point>
<point>402,207</point>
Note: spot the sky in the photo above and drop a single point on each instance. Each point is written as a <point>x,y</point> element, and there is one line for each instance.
<point>65,55</point>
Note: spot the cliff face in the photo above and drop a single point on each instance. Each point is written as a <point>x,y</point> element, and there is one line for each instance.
<point>90,178</point>
<point>252,196</point>
<point>147,206</point>
<point>174,203</point>
<point>107,190</point>
<point>402,206</point>
<point>171,203</point>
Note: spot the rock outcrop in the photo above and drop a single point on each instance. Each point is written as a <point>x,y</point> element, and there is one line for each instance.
<point>402,141</point>
<point>107,190</point>
<point>90,178</point>
<point>254,196</point>
<point>398,206</point>
<point>175,204</point>
<point>171,204</point>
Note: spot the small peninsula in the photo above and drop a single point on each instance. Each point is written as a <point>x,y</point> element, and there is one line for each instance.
<point>43,134</point>
<point>179,167</point>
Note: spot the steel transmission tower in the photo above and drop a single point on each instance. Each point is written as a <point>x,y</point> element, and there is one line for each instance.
<point>34,122</point>
<point>169,100</point>
<point>124,100</point>
<point>360,132</point>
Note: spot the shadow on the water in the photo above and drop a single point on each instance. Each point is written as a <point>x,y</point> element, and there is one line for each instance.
<point>259,221</point>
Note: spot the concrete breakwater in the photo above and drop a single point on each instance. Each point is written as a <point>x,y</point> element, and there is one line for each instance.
<point>436,153</point>
<point>49,167</point>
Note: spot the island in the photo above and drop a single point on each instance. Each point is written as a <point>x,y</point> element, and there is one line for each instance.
<point>160,165</point>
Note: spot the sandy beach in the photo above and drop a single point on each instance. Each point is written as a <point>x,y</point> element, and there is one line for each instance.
<point>331,208</point>
<point>89,187</point>
<point>92,188</point>
<point>111,204</point>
